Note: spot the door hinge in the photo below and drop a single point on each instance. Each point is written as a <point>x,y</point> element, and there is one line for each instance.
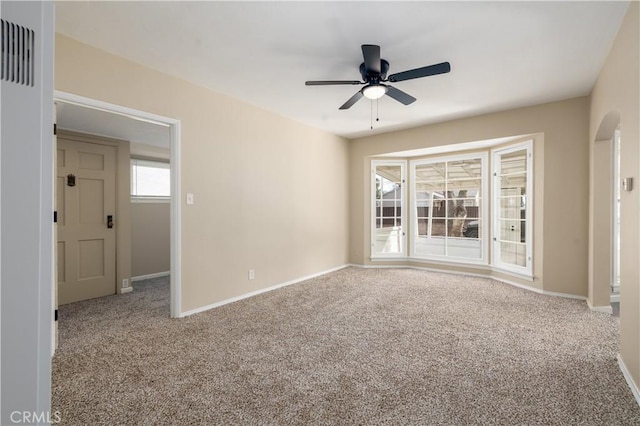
<point>55,129</point>
<point>55,217</point>
<point>55,315</point>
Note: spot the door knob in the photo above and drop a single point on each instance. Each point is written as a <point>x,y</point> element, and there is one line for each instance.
<point>109,221</point>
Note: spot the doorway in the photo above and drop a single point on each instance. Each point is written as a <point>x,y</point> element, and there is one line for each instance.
<point>605,235</point>
<point>615,276</point>
<point>173,128</point>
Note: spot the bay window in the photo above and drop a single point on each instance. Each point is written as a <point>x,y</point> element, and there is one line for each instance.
<point>451,215</point>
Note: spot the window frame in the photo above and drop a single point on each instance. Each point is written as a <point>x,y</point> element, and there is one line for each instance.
<point>484,210</point>
<point>148,198</point>
<point>496,250</point>
<point>403,209</point>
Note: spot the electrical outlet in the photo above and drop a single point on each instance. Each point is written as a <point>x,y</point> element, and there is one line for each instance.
<point>125,283</point>
<point>252,274</point>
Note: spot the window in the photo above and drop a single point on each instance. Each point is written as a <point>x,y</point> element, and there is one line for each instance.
<point>512,207</point>
<point>150,180</point>
<point>449,213</point>
<point>388,199</point>
<point>453,217</point>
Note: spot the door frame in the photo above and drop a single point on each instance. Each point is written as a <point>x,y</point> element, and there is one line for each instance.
<point>174,128</point>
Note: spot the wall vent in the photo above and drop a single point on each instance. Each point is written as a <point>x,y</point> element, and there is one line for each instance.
<point>18,53</point>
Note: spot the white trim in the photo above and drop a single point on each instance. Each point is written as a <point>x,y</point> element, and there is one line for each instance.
<point>614,298</point>
<point>95,104</point>
<point>471,274</point>
<point>527,277</point>
<point>257,292</point>
<point>565,295</point>
<point>174,127</point>
<point>627,376</point>
<point>175,282</point>
<point>477,266</point>
<point>422,268</point>
<point>125,290</point>
<point>150,276</point>
<point>150,200</point>
<point>606,309</point>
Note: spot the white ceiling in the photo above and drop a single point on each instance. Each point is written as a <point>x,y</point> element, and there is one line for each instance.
<point>502,54</point>
<point>147,139</point>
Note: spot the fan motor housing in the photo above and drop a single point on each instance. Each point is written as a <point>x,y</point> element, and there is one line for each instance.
<point>370,76</point>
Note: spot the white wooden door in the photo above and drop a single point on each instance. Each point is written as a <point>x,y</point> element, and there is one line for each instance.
<point>86,242</point>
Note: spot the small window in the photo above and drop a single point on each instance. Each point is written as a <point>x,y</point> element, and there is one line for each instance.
<point>150,180</point>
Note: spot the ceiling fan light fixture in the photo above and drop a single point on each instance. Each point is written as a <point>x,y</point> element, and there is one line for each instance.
<point>374,91</point>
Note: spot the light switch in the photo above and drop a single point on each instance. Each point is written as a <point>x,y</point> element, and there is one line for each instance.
<point>189,198</point>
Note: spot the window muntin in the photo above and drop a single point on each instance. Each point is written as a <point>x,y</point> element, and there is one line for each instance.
<point>449,210</point>
<point>512,185</point>
<point>388,234</point>
<point>150,180</point>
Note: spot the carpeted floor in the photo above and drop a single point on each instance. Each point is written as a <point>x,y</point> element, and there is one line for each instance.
<point>358,346</point>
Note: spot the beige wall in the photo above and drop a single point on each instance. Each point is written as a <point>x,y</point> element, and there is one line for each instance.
<point>616,94</point>
<point>150,238</point>
<point>261,182</point>
<point>561,172</point>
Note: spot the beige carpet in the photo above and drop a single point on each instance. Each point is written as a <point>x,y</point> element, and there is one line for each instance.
<point>352,347</point>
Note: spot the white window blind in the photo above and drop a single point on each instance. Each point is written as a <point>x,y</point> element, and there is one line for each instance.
<point>150,179</point>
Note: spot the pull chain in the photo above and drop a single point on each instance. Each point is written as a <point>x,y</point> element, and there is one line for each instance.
<point>377,112</point>
<point>371,120</point>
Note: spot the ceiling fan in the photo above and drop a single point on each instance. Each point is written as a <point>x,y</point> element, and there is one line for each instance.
<point>374,73</point>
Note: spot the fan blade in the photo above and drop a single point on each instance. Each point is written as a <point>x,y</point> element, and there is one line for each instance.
<point>331,82</point>
<point>371,54</point>
<point>442,68</point>
<point>400,96</point>
<point>352,100</point>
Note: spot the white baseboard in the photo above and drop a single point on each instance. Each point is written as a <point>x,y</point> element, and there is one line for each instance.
<point>565,295</point>
<point>627,376</point>
<point>126,290</point>
<point>607,309</point>
<point>471,274</point>
<point>257,292</point>
<point>423,268</point>
<point>149,276</point>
